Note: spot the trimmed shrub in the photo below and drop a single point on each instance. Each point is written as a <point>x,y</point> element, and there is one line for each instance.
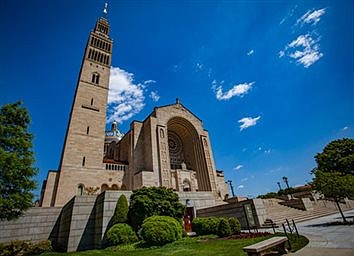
<point>205,226</point>
<point>146,202</point>
<point>235,226</point>
<point>121,211</point>
<point>121,234</point>
<point>160,230</point>
<point>19,247</point>
<point>224,229</point>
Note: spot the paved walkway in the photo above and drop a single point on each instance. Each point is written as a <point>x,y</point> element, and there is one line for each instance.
<point>327,240</point>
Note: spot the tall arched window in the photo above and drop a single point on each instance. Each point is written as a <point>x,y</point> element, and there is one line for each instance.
<point>80,190</point>
<point>95,78</point>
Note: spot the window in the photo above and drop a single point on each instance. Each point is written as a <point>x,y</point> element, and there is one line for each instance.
<point>88,130</point>
<point>83,161</point>
<point>91,101</point>
<point>96,80</point>
<point>80,190</point>
<point>104,187</point>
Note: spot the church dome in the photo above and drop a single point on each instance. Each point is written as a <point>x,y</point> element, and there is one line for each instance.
<point>114,134</point>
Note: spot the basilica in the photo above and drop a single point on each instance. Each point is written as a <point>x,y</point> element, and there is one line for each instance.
<point>170,148</point>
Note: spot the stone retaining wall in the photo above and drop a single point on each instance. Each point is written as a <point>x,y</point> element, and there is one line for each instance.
<point>236,210</point>
<point>82,223</point>
<point>36,224</point>
<point>304,204</point>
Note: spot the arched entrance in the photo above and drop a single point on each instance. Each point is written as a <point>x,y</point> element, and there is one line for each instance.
<point>186,150</point>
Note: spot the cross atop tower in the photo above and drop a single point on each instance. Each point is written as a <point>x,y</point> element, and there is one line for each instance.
<point>105,8</point>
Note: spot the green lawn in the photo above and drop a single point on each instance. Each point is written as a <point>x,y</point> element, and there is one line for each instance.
<point>183,247</point>
<point>186,247</point>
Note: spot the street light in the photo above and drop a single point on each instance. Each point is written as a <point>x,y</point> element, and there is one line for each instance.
<point>279,185</point>
<point>232,188</point>
<point>285,179</point>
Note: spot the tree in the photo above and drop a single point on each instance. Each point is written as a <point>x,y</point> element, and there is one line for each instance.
<point>334,185</point>
<point>16,161</point>
<point>334,174</point>
<point>121,211</point>
<point>337,156</point>
<point>146,202</point>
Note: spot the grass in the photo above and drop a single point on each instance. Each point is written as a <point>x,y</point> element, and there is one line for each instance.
<point>297,242</point>
<point>206,245</point>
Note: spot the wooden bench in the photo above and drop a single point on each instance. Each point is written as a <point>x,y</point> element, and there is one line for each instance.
<point>261,248</point>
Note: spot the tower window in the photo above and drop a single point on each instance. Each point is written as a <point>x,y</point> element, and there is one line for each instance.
<point>80,190</point>
<point>88,130</point>
<point>83,161</point>
<point>91,101</point>
<point>96,80</point>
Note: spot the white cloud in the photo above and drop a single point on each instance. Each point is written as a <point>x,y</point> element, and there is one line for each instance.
<point>238,167</point>
<point>250,52</point>
<point>154,96</point>
<point>125,99</point>
<point>313,16</point>
<point>236,90</point>
<point>259,148</point>
<point>345,128</point>
<point>240,187</point>
<point>199,66</point>
<point>248,122</point>
<point>267,151</point>
<point>147,82</point>
<point>244,179</point>
<point>290,13</point>
<point>304,49</point>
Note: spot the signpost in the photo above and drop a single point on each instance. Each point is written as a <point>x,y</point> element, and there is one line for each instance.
<point>247,208</point>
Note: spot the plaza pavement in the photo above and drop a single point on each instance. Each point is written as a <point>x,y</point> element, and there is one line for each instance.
<point>327,240</point>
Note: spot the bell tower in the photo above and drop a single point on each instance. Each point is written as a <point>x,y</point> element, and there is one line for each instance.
<point>82,155</point>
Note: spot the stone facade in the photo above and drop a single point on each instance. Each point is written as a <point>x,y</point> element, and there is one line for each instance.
<point>169,148</point>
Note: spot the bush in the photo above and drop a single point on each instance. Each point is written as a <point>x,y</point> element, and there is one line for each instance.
<point>121,211</point>
<point>205,226</point>
<point>121,234</point>
<point>19,247</point>
<point>146,202</point>
<point>235,226</point>
<point>160,230</point>
<point>224,229</point>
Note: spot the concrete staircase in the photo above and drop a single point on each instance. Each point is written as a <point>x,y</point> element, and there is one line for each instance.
<point>279,213</point>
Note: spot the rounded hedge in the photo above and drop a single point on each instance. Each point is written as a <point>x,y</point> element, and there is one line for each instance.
<point>160,230</point>
<point>205,226</point>
<point>235,226</point>
<point>121,234</point>
<point>224,229</point>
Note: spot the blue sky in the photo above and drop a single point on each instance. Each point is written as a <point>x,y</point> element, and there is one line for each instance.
<point>271,80</point>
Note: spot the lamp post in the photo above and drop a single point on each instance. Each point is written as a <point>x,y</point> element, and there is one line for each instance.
<point>279,185</point>
<point>285,179</point>
<point>232,188</point>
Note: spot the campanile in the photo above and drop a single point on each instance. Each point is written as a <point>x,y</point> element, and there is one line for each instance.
<point>82,155</point>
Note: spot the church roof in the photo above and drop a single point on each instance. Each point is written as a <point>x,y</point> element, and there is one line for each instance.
<point>178,103</point>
